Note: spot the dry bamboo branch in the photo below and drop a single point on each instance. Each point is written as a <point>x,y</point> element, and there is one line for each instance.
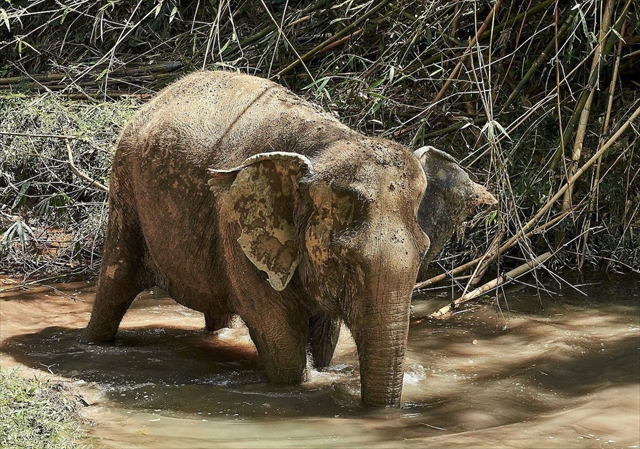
<point>143,70</point>
<point>586,110</point>
<point>519,271</point>
<point>81,175</point>
<point>484,265</point>
<point>441,277</point>
<point>466,53</point>
<point>45,136</point>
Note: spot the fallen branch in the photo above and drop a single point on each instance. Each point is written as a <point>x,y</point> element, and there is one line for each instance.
<point>516,272</point>
<point>44,136</point>
<point>441,277</point>
<point>125,71</point>
<point>79,174</point>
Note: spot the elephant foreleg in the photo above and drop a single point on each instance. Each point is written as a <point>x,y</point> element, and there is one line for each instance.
<point>323,338</point>
<point>281,343</point>
<point>215,322</point>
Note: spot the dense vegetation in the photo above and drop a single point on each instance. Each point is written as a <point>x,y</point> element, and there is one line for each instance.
<point>539,99</point>
<point>38,414</point>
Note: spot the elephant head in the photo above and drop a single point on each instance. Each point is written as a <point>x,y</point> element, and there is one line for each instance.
<point>450,198</point>
<point>339,230</point>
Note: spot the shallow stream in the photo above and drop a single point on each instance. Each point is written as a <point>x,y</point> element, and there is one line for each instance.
<point>556,369</point>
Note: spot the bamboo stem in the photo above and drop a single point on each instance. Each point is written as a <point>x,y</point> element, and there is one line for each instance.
<point>605,131</point>
<point>544,56</point>
<point>584,96</point>
<point>586,110</point>
<point>466,53</point>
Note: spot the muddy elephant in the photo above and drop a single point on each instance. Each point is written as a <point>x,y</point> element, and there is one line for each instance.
<point>240,198</point>
<point>451,197</point>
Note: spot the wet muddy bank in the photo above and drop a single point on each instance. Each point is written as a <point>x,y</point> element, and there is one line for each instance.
<point>543,370</point>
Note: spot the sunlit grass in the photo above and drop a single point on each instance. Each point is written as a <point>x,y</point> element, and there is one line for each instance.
<point>38,414</point>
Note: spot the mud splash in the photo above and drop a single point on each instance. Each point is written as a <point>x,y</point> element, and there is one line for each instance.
<point>556,370</point>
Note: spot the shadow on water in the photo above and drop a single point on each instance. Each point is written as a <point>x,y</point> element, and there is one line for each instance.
<point>560,370</point>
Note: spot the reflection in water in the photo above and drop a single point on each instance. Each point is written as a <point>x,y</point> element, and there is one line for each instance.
<point>566,375</point>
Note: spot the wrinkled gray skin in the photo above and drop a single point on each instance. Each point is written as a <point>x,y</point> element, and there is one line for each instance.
<point>451,196</point>
<point>302,223</point>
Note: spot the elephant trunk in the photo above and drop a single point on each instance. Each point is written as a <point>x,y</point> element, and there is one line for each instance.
<point>381,350</point>
<point>380,325</point>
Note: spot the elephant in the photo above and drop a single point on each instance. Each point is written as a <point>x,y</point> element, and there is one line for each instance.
<point>240,198</point>
<point>451,196</point>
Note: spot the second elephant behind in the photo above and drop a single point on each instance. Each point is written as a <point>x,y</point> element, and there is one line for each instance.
<point>450,197</point>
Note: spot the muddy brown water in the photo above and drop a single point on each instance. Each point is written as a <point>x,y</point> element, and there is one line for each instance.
<point>544,370</point>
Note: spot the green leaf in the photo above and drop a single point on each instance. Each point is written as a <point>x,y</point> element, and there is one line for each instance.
<point>102,74</point>
<point>5,18</point>
<point>64,16</point>
<point>614,31</point>
<point>376,83</point>
<point>23,241</point>
<point>501,129</point>
<point>158,8</point>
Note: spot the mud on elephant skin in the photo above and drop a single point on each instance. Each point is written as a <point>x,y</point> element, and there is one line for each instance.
<point>240,198</point>
<point>451,196</point>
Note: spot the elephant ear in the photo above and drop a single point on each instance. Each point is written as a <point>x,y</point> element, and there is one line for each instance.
<point>261,197</point>
<point>425,153</point>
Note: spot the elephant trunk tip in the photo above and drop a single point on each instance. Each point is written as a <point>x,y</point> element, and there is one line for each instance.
<point>482,198</point>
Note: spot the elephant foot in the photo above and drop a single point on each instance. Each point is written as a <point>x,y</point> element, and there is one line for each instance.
<point>98,332</point>
<point>97,335</point>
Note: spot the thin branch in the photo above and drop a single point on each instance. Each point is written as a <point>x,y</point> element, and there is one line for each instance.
<point>81,175</point>
<point>513,274</point>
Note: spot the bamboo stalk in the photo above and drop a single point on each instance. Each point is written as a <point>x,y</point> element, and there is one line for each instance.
<point>441,277</point>
<point>516,272</point>
<point>466,53</point>
<point>544,56</point>
<point>586,110</point>
<point>568,132</point>
<point>605,131</point>
<point>531,11</point>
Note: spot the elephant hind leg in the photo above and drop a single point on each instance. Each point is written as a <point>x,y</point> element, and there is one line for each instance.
<point>123,273</point>
<point>323,338</point>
